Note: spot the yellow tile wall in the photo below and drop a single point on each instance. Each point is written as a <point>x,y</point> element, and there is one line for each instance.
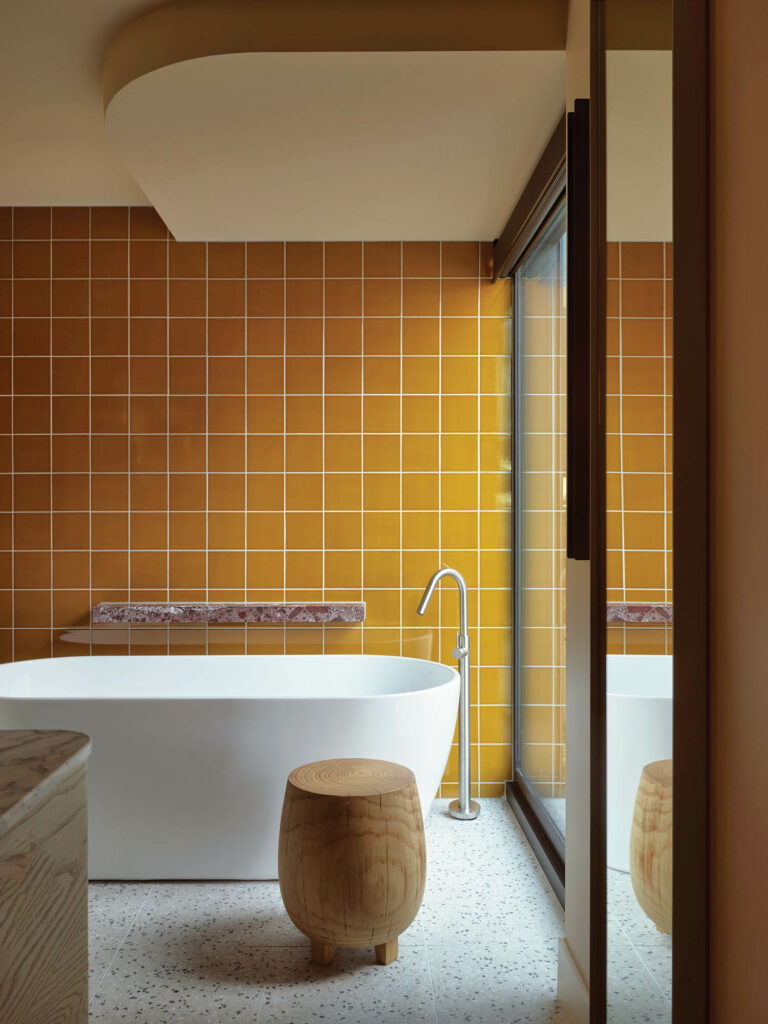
<point>639,438</point>
<point>261,421</point>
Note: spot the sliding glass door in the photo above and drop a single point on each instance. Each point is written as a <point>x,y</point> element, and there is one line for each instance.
<point>540,555</point>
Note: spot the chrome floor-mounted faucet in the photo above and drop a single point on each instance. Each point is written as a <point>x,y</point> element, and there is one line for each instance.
<point>464,808</point>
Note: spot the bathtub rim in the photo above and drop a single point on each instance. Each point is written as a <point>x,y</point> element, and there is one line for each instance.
<point>663,680</point>
<point>452,679</point>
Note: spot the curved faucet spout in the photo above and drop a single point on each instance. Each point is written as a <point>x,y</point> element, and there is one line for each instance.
<point>464,808</point>
<point>460,583</point>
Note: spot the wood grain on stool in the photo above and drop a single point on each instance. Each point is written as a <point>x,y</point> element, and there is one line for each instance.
<point>650,851</point>
<point>352,857</point>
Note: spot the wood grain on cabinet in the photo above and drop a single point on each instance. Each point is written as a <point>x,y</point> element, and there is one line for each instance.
<point>43,877</point>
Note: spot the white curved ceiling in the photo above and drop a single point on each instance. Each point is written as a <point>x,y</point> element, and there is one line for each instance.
<point>386,144</point>
<point>338,145</point>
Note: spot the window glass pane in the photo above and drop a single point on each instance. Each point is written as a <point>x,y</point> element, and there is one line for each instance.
<point>540,287</point>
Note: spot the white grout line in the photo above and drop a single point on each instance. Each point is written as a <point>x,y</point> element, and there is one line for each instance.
<point>438,597</point>
<point>13,437</point>
<point>401,476</point>
<point>323,580</point>
<point>622,500</point>
<point>207,418</point>
<point>665,428</point>
<point>168,425</point>
<point>94,989</point>
<point>285,430</point>
<point>555,501</point>
<point>431,977</point>
<point>50,420</point>
<point>362,436</point>
<point>478,599</point>
<point>129,517</point>
<point>90,428</point>
<point>247,438</point>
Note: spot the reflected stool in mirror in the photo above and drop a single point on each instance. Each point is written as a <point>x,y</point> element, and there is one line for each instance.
<point>352,856</point>
<point>650,846</point>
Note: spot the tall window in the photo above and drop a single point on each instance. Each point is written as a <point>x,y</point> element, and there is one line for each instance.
<point>540,346</point>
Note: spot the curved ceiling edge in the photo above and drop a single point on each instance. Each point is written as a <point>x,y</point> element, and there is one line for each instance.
<point>188,29</point>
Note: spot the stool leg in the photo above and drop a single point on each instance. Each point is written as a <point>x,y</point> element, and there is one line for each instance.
<point>322,952</point>
<point>386,952</point>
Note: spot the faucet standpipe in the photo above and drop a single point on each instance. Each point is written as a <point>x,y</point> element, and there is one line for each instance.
<point>465,809</point>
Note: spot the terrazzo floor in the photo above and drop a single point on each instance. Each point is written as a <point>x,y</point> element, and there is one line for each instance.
<point>483,948</point>
<point>639,959</point>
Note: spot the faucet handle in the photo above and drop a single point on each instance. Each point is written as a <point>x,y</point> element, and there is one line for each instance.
<point>461,650</point>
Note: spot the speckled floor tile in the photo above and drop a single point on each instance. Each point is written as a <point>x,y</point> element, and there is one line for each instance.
<point>624,909</point>
<point>99,961</point>
<point>352,990</point>
<point>502,983</point>
<point>147,984</point>
<point>633,996</point>
<point>225,951</point>
<point>658,963</point>
<point>628,925</point>
<point>112,909</point>
<point>494,918</point>
<point>212,913</point>
<point>482,877</point>
<point>490,848</point>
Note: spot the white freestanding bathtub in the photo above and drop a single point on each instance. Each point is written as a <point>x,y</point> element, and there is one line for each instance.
<point>191,753</point>
<point>639,730</point>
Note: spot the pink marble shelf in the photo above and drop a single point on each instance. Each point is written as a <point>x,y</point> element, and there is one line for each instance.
<point>652,612</point>
<point>269,613</point>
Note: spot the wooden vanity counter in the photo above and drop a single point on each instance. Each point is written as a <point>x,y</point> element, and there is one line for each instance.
<point>43,876</point>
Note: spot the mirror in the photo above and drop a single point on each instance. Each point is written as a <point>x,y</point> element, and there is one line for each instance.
<point>639,359</point>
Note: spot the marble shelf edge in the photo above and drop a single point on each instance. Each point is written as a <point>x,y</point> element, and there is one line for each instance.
<point>651,612</point>
<point>265,613</point>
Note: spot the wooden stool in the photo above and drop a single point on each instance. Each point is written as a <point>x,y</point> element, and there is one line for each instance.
<point>352,859</point>
<point>650,847</point>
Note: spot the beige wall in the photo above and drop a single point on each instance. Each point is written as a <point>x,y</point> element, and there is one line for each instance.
<point>638,137</point>
<point>739,488</point>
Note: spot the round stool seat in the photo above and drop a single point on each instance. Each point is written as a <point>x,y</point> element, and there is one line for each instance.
<point>650,848</point>
<point>352,857</point>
